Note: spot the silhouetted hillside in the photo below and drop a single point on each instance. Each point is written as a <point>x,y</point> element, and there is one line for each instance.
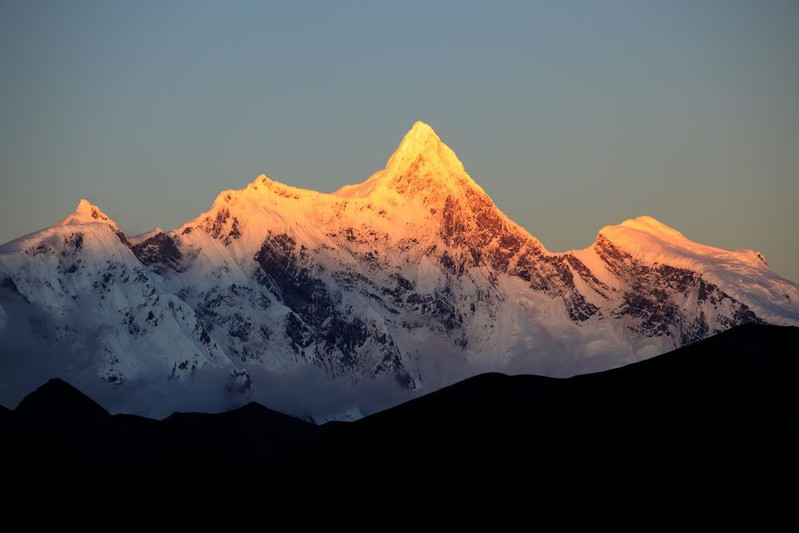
<point>711,425</point>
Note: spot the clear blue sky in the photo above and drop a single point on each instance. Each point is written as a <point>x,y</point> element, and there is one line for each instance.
<point>571,115</point>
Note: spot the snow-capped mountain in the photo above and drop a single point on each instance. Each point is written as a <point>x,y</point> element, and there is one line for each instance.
<point>410,280</point>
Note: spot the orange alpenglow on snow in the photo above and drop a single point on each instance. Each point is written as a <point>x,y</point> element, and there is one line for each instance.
<point>421,162</point>
<point>423,185</point>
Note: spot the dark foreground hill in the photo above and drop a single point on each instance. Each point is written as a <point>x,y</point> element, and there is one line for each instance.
<point>709,426</point>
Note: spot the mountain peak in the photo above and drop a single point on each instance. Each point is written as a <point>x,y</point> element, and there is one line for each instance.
<point>84,205</point>
<point>646,232</point>
<point>61,402</point>
<point>87,212</point>
<point>421,147</point>
<point>652,226</point>
<point>649,238</point>
<point>422,163</point>
<point>420,136</point>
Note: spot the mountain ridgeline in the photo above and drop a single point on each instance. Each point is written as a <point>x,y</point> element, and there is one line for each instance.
<point>401,284</point>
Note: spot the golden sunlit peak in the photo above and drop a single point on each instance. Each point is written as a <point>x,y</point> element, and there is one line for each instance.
<point>651,225</point>
<point>421,149</point>
<point>261,181</point>
<point>87,212</point>
<point>84,206</point>
<point>421,162</point>
<point>420,139</point>
<point>420,129</point>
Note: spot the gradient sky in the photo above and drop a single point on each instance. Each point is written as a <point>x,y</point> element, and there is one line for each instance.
<point>571,115</point>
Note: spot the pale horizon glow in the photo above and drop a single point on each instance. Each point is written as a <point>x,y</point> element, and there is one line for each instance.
<point>571,116</point>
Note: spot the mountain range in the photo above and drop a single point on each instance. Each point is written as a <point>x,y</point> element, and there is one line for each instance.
<point>339,305</point>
